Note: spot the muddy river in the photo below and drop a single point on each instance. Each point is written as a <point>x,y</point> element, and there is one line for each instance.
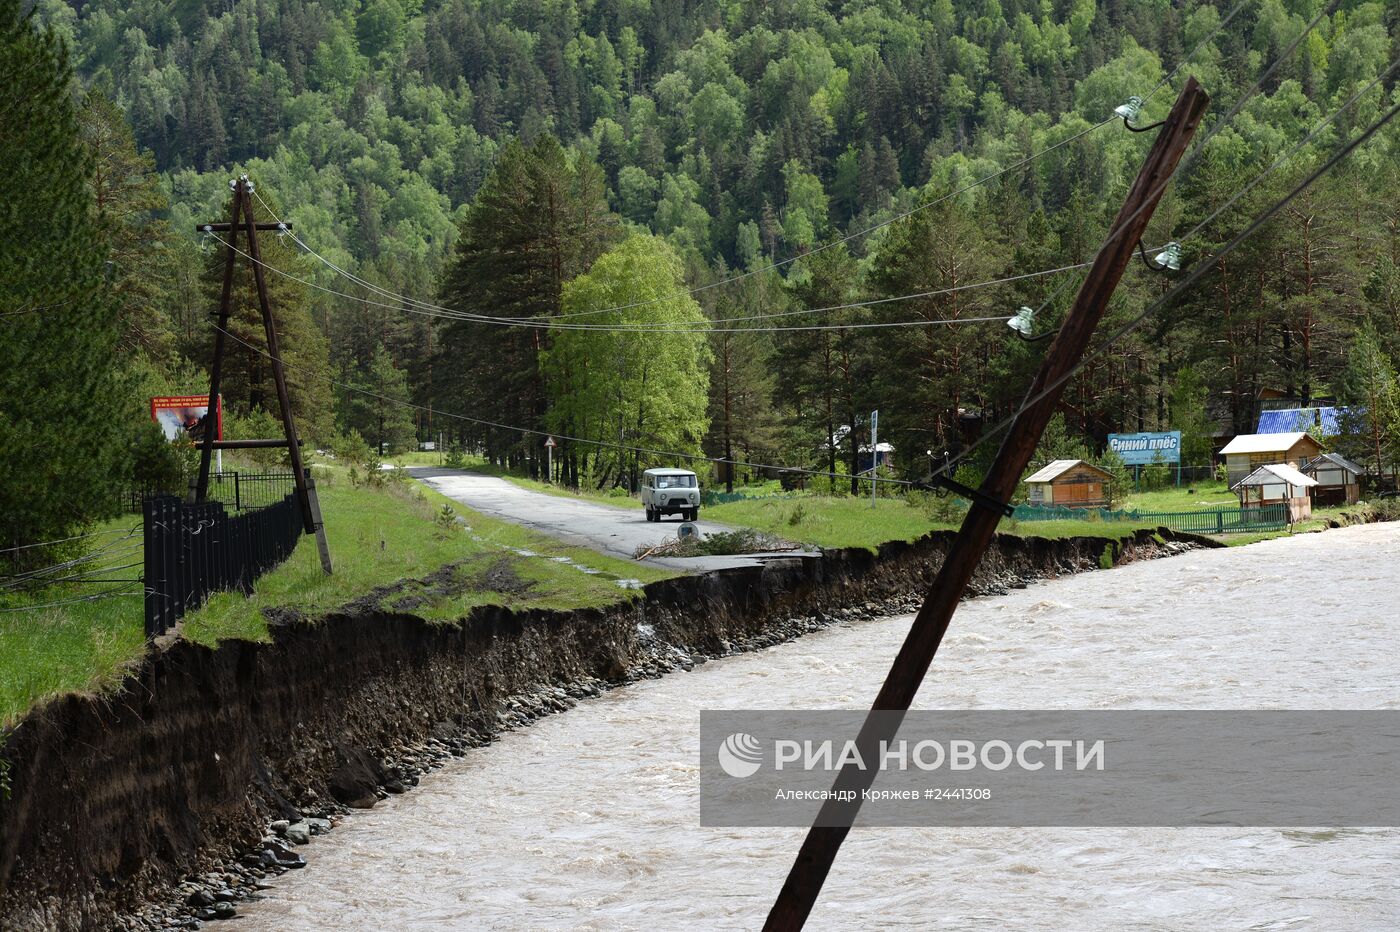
<point>589,819</point>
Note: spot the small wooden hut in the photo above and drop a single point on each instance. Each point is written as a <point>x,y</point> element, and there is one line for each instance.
<point>1338,479</point>
<point>1248,452</point>
<point>1069,484</point>
<point>1277,484</point>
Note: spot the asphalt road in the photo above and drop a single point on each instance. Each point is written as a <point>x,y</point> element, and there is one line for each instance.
<point>616,531</point>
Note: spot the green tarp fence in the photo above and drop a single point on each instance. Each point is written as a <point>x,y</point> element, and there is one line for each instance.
<point>1204,521</point>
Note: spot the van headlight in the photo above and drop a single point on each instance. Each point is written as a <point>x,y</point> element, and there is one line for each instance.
<point>694,498</point>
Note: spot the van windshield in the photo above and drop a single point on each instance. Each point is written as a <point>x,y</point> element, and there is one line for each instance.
<point>675,482</point>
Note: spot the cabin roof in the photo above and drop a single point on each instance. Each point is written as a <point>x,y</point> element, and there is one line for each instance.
<point>1057,468</point>
<point>1275,472</point>
<point>668,471</point>
<point>1336,459</point>
<point>1264,443</point>
<point>1284,420</point>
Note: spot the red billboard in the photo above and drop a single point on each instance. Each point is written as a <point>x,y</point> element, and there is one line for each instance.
<point>186,416</point>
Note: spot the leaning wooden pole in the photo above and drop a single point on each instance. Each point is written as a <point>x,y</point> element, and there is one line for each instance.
<point>814,860</point>
<point>216,372</point>
<point>306,492</point>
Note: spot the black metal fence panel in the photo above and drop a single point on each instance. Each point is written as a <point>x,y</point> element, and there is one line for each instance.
<point>193,550</point>
<point>239,491</point>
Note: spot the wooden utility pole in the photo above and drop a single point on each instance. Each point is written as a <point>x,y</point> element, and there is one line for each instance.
<point>305,486</point>
<point>814,860</point>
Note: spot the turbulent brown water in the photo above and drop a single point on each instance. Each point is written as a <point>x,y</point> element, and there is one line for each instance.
<point>589,819</point>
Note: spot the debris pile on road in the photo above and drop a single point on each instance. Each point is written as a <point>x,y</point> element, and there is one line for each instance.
<point>722,543</point>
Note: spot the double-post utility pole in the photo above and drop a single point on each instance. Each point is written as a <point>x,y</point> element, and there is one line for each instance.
<point>814,860</point>
<point>305,485</point>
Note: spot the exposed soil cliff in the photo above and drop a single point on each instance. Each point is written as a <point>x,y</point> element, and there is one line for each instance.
<point>114,800</point>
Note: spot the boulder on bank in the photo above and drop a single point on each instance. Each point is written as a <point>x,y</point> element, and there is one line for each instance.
<point>354,782</point>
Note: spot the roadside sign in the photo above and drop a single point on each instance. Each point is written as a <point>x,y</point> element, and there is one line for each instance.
<point>187,416</point>
<point>1146,448</point>
<point>549,442</point>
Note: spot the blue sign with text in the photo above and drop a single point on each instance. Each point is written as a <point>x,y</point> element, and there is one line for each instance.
<point>1145,449</point>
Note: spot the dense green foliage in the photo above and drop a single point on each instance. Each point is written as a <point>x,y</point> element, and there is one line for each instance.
<point>481,154</point>
<point>538,222</point>
<point>63,437</point>
<point>644,389</point>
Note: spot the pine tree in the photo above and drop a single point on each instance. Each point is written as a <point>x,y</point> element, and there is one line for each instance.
<point>129,204</point>
<point>375,404</point>
<point>63,416</point>
<point>537,222</point>
<point>827,372</point>
<point>937,373</point>
<point>741,380</point>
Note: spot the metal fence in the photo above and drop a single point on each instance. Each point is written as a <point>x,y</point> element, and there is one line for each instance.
<point>1204,521</point>
<point>193,550</point>
<point>240,491</point>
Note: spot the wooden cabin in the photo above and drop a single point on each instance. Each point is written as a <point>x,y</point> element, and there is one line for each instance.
<point>1069,484</point>
<point>1277,484</point>
<point>1248,452</point>
<point>1338,479</point>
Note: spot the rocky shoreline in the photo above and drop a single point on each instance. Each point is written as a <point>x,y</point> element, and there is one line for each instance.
<point>215,894</point>
<point>396,697</point>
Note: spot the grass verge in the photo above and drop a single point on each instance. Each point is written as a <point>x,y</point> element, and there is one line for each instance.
<point>396,546</point>
<point>852,522</point>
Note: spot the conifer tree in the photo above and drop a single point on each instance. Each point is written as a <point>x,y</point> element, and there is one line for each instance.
<point>63,454</point>
<point>538,221</point>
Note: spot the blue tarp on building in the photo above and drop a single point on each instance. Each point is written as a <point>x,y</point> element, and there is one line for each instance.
<point>1289,420</point>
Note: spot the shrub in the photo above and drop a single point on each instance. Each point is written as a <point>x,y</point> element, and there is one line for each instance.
<point>1156,476</point>
<point>160,463</point>
<point>1106,558</point>
<point>257,425</point>
<point>1386,509</point>
<point>446,520</point>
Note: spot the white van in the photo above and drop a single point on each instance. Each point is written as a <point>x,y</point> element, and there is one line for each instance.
<point>669,492</point>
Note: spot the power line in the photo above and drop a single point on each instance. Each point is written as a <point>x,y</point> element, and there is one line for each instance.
<point>131,590</point>
<point>548,324</point>
<point>1204,266</point>
<point>62,540</point>
<point>606,444</point>
<point>551,321</point>
<point>1199,270</point>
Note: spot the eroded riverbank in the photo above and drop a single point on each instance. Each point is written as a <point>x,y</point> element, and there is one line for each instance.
<point>589,819</point>
<point>116,800</point>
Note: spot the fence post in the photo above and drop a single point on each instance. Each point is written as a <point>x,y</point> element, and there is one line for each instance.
<point>155,592</point>
<point>237,495</point>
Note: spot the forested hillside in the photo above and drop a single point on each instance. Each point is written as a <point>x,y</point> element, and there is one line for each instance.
<point>484,155</point>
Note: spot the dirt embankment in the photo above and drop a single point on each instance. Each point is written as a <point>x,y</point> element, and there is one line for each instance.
<point>115,801</point>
